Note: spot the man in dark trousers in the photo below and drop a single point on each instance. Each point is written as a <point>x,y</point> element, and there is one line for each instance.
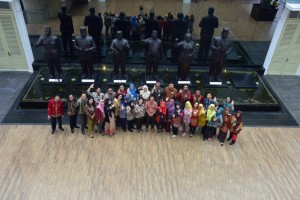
<point>122,24</point>
<point>151,24</point>
<point>66,29</point>
<point>207,25</point>
<point>95,25</point>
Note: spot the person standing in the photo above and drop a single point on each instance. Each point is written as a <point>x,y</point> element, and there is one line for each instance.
<point>55,113</point>
<point>139,111</point>
<point>170,111</point>
<point>226,125</point>
<point>150,107</point>
<point>236,127</point>
<point>177,119</point>
<point>122,113</point>
<point>151,24</point>
<point>97,95</point>
<point>194,119</point>
<point>201,119</point>
<point>184,95</point>
<point>130,115</point>
<point>95,25</point>
<point>110,123</point>
<point>100,116</point>
<point>107,23</point>
<point>157,92</point>
<point>211,124</point>
<point>81,103</point>
<point>144,92</point>
<point>66,29</point>
<point>170,92</point>
<point>197,97</point>
<point>89,110</point>
<point>207,25</point>
<point>72,112</point>
<point>161,114</point>
<point>123,25</point>
<point>85,45</point>
<point>187,116</point>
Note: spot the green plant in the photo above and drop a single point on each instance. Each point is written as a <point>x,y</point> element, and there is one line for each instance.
<point>265,4</point>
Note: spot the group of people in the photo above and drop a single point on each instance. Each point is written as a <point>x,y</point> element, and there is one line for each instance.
<point>171,110</point>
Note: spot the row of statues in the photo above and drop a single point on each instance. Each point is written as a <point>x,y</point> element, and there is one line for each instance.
<point>184,48</point>
<point>221,47</point>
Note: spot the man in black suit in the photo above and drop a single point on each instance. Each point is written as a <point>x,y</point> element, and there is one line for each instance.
<point>207,25</point>
<point>151,24</point>
<point>95,25</point>
<point>122,24</point>
<point>66,29</point>
<point>179,28</point>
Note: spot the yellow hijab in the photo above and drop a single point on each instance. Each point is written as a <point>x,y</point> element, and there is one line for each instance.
<point>188,105</point>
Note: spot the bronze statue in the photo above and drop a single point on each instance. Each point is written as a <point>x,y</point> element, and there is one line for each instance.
<point>51,53</point>
<point>153,53</point>
<point>120,46</point>
<point>185,57</point>
<point>85,45</point>
<point>221,47</point>
<point>207,24</point>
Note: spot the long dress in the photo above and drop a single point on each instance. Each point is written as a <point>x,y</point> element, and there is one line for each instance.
<point>110,123</point>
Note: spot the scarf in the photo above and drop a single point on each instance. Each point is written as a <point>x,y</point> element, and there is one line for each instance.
<point>101,107</point>
<point>171,107</point>
<point>188,105</point>
<point>201,109</point>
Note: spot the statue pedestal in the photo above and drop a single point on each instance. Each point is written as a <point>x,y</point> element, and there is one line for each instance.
<point>151,80</point>
<point>187,1</point>
<point>57,80</point>
<point>187,81</point>
<point>119,80</point>
<point>95,79</point>
<point>211,82</point>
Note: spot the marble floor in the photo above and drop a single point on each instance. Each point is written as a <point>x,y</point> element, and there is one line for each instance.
<point>232,13</point>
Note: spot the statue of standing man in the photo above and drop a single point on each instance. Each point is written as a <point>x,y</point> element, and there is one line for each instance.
<point>85,45</point>
<point>153,53</point>
<point>221,47</point>
<point>185,57</point>
<point>51,53</point>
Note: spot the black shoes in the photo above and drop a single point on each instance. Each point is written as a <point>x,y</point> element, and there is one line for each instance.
<point>52,132</point>
<point>72,130</point>
<point>83,132</point>
<point>61,128</point>
<point>229,139</point>
<point>77,126</point>
<point>130,130</point>
<point>232,143</point>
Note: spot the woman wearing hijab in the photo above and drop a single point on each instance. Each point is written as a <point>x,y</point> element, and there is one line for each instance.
<point>194,119</point>
<point>132,91</point>
<point>201,119</point>
<point>144,93</point>
<point>211,124</point>
<point>99,116</point>
<point>170,111</point>
<point>89,110</point>
<point>110,125</point>
<point>161,114</point>
<point>236,127</point>
<point>177,119</point>
<point>226,125</point>
<point>187,115</point>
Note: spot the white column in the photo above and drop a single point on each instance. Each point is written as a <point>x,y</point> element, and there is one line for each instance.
<point>23,34</point>
<point>275,39</point>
